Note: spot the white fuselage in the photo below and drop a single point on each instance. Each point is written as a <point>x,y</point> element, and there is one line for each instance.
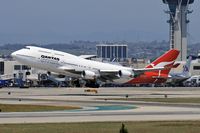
<point>52,60</point>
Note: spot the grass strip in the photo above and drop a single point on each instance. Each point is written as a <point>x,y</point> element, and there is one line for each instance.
<point>32,108</point>
<point>105,127</point>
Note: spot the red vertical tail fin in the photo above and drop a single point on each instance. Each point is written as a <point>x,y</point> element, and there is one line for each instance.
<point>160,76</point>
<point>166,60</point>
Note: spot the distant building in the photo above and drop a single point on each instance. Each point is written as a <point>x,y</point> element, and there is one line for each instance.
<point>195,66</point>
<point>13,69</point>
<point>10,69</point>
<point>109,51</point>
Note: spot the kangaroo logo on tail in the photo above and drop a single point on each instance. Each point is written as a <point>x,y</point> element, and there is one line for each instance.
<point>166,60</point>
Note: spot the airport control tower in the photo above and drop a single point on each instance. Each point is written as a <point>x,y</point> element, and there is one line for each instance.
<point>178,10</point>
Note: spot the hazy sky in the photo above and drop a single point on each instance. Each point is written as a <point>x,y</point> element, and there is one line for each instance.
<point>60,21</point>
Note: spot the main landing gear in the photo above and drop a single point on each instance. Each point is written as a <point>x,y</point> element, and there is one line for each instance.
<point>83,83</point>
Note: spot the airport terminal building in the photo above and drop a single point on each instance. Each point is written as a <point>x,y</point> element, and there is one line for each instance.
<point>195,66</point>
<point>13,70</point>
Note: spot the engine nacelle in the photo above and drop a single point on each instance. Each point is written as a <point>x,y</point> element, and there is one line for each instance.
<point>88,74</point>
<point>125,73</point>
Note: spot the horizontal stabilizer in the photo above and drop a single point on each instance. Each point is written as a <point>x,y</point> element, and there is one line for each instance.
<point>159,77</point>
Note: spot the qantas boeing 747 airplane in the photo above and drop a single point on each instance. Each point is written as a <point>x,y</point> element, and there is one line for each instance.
<point>93,71</point>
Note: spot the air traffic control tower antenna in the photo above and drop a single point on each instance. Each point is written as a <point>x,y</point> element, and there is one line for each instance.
<point>178,10</point>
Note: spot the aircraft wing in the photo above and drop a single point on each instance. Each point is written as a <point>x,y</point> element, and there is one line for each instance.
<point>109,71</point>
<point>66,68</point>
<point>87,56</point>
<point>143,70</point>
<point>149,69</point>
<point>109,75</point>
<point>114,74</point>
<point>69,69</point>
<point>104,74</point>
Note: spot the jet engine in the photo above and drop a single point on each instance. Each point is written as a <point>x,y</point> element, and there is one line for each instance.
<point>88,74</point>
<point>125,73</point>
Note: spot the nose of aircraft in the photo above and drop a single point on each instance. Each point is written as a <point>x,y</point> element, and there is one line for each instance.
<point>13,54</point>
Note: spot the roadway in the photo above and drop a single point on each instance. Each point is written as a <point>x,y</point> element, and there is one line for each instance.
<point>145,111</point>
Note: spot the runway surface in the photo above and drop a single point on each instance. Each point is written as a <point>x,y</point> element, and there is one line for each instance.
<point>145,111</point>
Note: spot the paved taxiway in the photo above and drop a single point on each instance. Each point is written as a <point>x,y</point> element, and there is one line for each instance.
<point>150,111</point>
